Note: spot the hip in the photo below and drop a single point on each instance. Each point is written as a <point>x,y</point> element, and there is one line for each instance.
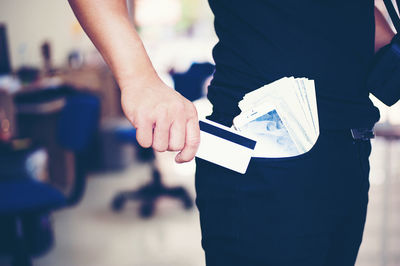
<point>329,180</point>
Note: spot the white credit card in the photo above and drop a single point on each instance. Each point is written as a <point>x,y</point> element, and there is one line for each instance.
<point>225,146</point>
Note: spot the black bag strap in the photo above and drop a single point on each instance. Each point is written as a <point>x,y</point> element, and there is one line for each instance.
<point>393,14</point>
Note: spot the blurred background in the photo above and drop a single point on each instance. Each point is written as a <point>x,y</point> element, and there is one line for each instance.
<point>76,189</point>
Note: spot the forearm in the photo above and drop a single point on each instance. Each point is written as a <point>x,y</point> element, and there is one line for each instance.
<point>107,24</point>
<point>163,118</point>
<point>383,32</point>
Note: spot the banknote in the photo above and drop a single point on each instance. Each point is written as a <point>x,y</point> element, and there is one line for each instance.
<point>265,124</point>
<point>282,115</point>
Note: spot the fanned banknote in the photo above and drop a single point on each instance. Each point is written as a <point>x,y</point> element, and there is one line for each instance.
<point>282,116</point>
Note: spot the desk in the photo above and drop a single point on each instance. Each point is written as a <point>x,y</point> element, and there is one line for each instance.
<point>39,121</point>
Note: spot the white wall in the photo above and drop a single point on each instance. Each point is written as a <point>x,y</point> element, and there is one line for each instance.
<point>31,22</point>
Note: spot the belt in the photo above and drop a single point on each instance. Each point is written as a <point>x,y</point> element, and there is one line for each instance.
<point>362,133</point>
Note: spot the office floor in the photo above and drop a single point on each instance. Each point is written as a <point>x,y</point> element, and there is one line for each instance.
<point>91,234</point>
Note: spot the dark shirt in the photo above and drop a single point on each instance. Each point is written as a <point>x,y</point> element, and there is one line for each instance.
<point>329,41</point>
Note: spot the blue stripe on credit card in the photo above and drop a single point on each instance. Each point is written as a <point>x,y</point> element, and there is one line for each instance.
<point>227,135</point>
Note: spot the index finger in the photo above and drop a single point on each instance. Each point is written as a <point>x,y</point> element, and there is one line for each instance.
<point>192,141</point>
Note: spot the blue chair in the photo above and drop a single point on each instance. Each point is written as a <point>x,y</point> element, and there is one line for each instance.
<point>155,189</point>
<point>77,126</point>
<point>23,200</point>
<point>190,83</point>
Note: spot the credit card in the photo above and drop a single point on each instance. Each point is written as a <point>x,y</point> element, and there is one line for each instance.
<point>225,146</point>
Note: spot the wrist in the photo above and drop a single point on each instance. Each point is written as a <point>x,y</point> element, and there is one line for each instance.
<point>137,83</point>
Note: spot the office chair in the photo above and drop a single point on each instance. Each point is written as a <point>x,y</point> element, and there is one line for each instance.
<point>22,201</point>
<point>77,126</point>
<point>190,83</point>
<point>149,193</point>
<point>26,203</point>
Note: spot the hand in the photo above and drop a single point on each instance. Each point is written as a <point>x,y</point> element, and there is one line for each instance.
<point>163,119</point>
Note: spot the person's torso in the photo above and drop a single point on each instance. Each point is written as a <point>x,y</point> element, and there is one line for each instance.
<point>329,41</point>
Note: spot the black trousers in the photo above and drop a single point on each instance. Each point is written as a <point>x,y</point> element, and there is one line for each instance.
<point>307,210</point>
